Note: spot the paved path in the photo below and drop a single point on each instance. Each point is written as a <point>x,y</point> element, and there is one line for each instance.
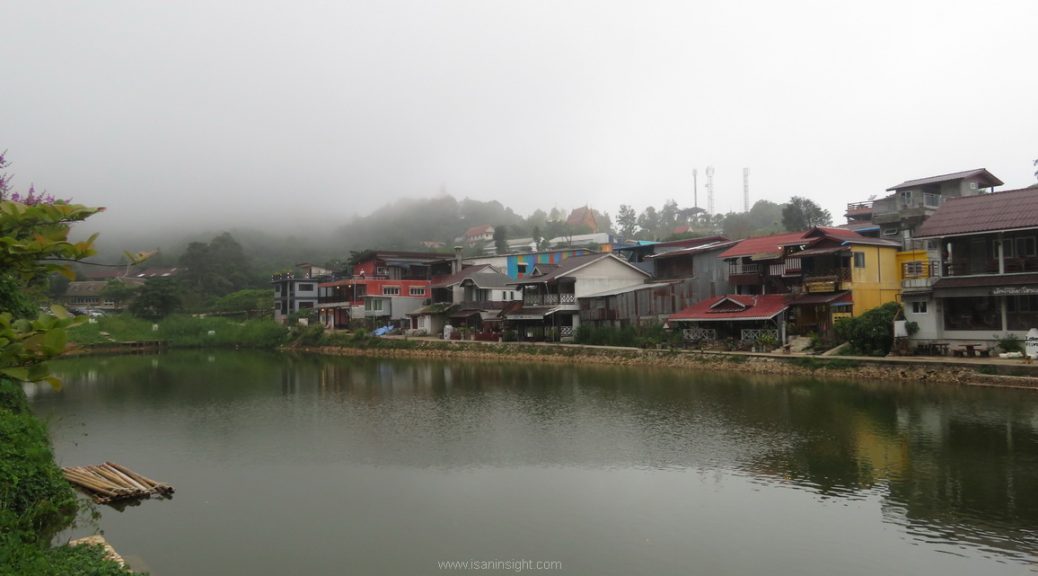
<point>905,360</point>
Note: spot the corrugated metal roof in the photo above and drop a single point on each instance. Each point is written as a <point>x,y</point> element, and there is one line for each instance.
<point>762,307</point>
<point>1009,210</point>
<point>695,249</point>
<point>820,251</point>
<point>761,245</point>
<point>992,180</point>
<point>829,298</point>
<point>634,288</point>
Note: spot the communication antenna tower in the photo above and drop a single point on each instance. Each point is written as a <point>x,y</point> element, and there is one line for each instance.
<point>695,189</point>
<point>709,189</point>
<point>745,189</point>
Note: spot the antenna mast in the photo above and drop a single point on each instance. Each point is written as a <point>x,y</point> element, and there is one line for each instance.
<point>709,189</point>
<point>745,189</point>
<point>695,187</point>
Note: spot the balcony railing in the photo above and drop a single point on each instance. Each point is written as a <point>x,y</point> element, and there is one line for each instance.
<point>790,267</point>
<point>549,299</point>
<point>739,268</point>
<point>990,266</point>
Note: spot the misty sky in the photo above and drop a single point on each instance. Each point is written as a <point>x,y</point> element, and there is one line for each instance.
<point>314,110</point>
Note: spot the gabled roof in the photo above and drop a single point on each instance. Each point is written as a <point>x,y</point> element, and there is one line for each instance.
<point>988,176</point>
<point>1009,210</point>
<point>572,264</point>
<point>479,230</point>
<point>770,247</point>
<point>482,275</point>
<point>734,307</point>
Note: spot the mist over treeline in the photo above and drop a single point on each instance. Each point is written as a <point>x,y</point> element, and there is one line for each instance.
<point>433,224</point>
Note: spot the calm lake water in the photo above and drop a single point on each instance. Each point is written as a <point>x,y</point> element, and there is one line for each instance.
<point>311,465</point>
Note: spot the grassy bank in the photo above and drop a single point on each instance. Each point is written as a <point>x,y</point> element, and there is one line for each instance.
<point>36,502</point>
<point>181,331</point>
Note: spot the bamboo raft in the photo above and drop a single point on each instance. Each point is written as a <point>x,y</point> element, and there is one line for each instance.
<point>111,482</point>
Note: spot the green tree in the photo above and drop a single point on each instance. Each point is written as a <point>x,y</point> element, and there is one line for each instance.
<point>649,222</point>
<point>627,219</point>
<point>803,214</point>
<point>214,269</point>
<point>158,298</point>
<point>118,292</point>
<point>501,239</point>
<point>244,301</point>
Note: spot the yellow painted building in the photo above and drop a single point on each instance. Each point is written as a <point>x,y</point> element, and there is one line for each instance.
<point>875,276</point>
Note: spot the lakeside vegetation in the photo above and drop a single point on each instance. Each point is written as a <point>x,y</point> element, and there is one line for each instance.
<point>182,331</point>
<point>36,502</point>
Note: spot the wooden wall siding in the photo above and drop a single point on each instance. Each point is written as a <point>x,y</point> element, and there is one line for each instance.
<point>637,307</point>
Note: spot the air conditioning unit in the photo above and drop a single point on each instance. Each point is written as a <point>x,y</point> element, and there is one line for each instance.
<point>973,185</point>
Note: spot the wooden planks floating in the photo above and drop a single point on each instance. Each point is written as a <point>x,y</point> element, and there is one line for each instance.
<point>111,482</point>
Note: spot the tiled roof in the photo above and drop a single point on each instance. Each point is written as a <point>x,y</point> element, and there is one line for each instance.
<point>734,307</point>
<point>948,178</point>
<point>1009,210</point>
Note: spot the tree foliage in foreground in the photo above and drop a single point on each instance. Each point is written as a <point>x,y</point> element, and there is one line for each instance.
<point>872,333</point>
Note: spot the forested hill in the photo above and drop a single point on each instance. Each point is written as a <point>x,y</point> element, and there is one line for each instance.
<point>436,224</point>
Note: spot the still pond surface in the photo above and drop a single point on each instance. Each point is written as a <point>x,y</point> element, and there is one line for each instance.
<point>312,465</point>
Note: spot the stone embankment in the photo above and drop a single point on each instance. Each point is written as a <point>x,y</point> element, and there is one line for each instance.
<point>973,371</point>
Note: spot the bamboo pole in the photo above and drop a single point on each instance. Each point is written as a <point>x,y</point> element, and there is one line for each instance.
<point>126,478</point>
<point>89,484</point>
<point>158,486</point>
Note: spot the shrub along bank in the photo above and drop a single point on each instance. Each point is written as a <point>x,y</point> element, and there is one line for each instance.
<point>180,330</point>
<point>36,502</point>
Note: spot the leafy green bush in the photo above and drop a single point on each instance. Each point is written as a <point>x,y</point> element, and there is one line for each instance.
<point>872,333</point>
<point>646,336</point>
<point>1010,342</point>
<point>35,498</point>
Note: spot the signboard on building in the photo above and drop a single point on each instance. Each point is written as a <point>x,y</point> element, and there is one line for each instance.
<point>1015,291</point>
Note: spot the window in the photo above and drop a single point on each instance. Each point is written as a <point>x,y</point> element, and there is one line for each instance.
<point>1007,248</point>
<point>374,304</point>
<point>391,290</point>
<point>906,197</point>
<point>521,267</point>
<point>1025,246</point>
<point>890,231</point>
<point>914,269</point>
<point>859,259</point>
<point>919,307</point>
<point>417,291</point>
<point>305,288</point>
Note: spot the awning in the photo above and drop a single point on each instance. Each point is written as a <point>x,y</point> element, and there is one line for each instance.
<point>532,313</point>
<point>830,298</point>
<point>819,251</point>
